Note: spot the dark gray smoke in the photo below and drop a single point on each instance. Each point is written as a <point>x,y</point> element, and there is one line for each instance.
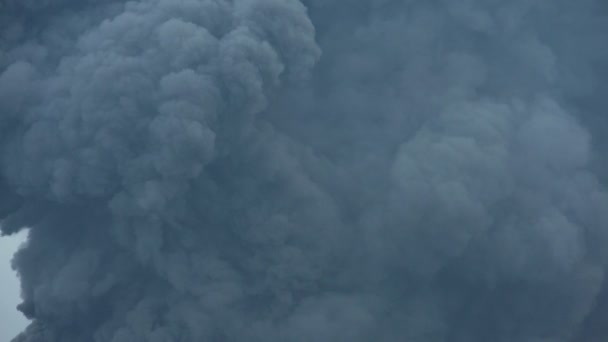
<point>302,171</point>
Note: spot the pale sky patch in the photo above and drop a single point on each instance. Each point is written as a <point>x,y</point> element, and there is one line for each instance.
<point>11,320</point>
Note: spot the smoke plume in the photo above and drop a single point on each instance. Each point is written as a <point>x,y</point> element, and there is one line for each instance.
<point>307,170</point>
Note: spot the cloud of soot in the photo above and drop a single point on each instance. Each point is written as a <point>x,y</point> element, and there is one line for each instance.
<point>315,170</point>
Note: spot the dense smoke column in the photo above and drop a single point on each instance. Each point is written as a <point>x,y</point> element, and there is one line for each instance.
<point>284,170</point>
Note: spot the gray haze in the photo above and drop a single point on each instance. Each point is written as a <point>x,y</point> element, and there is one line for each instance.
<point>314,170</point>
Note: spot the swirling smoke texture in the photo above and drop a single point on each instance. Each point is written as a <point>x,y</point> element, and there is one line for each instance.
<point>307,170</point>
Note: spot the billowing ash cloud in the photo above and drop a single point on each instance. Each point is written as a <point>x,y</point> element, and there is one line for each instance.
<point>307,170</point>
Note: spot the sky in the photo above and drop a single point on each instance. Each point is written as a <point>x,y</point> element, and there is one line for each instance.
<point>11,321</point>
